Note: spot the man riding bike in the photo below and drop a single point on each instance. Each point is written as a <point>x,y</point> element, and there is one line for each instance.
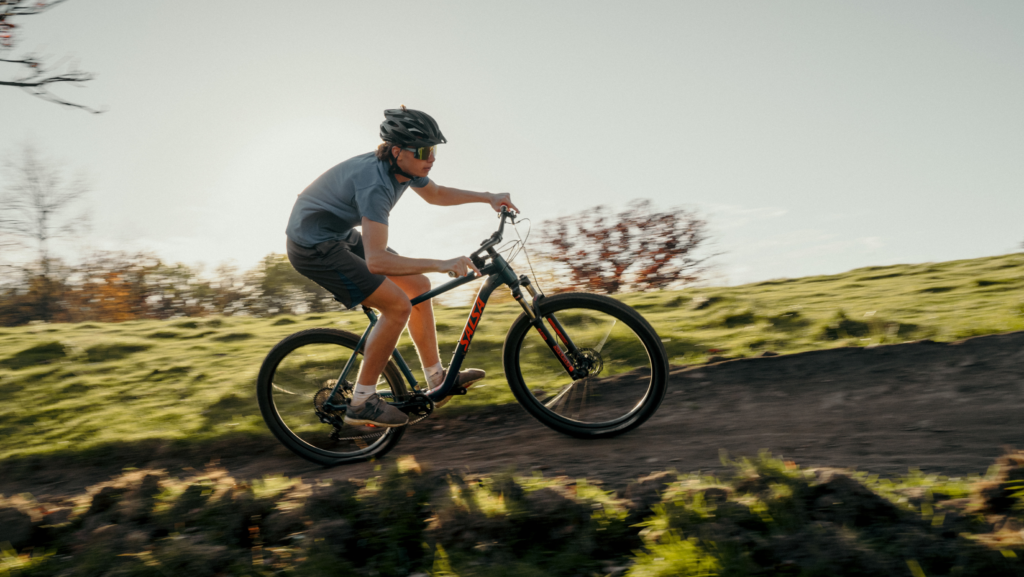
<point>359,268</point>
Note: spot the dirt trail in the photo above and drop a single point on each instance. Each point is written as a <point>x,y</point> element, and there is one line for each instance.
<point>944,408</point>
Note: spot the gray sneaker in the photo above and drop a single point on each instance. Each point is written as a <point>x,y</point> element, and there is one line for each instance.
<point>466,380</point>
<point>375,411</point>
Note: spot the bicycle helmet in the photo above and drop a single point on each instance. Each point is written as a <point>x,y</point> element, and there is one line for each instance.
<point>413,128</point>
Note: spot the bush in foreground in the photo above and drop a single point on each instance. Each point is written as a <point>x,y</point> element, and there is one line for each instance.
<point>771,518</point>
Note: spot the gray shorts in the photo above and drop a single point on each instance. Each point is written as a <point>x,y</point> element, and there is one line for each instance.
<point>339,266</point>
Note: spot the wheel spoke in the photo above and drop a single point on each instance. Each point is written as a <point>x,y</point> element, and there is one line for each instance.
<point>607,334</point>
<point>559,397</point>
<point>282,389</point>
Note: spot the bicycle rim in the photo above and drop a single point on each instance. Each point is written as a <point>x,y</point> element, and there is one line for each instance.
<point>297,378</point>
<point>627,374</point>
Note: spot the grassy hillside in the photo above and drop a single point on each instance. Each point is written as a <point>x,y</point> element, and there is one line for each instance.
<point>77,386</point>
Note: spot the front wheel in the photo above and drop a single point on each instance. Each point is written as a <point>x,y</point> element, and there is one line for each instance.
<point>296,379</point>
<point>624,362</point>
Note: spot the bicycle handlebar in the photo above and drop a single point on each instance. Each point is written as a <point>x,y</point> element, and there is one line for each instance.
<point>494,239</point>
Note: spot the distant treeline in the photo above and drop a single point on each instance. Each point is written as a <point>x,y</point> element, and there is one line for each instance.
<point>637,249</point>
<point>118,287</point>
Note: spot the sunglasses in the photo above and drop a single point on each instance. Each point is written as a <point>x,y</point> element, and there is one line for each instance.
<point>423,152</point>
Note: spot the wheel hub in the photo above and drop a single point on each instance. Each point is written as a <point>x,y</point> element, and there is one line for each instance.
<point>589,362</point>
<point>324,412</point>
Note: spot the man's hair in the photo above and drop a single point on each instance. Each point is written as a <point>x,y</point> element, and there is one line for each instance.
<point>384,152</point>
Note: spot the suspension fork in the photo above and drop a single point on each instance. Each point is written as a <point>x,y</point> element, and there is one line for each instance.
<point>538,324</point>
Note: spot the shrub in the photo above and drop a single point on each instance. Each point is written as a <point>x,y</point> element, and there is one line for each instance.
<point>842,327</point>
<point>637,248</point>
<point>113,351</point>
<point>37,355</point>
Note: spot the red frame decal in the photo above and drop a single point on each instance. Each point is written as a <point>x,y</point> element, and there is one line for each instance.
<point>558,332</point>
<point>471,323</point>
<point>557,349</point>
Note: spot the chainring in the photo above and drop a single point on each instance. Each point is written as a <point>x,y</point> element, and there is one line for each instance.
<point>418,407</point>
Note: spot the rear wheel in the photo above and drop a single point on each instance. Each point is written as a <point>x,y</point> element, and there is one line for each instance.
<point>625,363</point>
<point>294,382</point>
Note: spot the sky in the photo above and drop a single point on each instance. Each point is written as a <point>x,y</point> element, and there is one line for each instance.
<point>815,136</point>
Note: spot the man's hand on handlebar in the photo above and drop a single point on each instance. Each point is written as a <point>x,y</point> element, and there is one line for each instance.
<point>458,267</point>
<point>499,199</point>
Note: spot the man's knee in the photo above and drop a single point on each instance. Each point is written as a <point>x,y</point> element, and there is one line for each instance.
<point>391,301</point>
<point>402,309</point>
<point>420,283</point>
<point>398,308</point>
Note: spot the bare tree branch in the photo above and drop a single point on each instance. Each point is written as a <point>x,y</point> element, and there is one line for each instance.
<point>39,77</point>
<point>15,8</point>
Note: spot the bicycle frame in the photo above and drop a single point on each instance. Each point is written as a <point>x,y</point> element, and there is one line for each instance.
<point>497,272</point>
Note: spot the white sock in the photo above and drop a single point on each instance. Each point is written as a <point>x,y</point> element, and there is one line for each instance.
<point>435,375</point>
<point>361,393</point>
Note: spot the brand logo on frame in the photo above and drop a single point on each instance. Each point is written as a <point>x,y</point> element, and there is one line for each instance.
<point>474,320</point>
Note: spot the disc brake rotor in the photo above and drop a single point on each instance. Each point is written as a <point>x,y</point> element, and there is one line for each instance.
<point>592,359</point>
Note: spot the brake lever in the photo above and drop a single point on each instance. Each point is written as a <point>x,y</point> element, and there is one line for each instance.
<point>494,239</point>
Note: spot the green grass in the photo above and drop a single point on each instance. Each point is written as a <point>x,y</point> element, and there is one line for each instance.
<point>75,387</point>
<point>768,517</point>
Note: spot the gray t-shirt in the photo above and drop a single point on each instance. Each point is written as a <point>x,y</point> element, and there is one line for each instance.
<point>338,200</point>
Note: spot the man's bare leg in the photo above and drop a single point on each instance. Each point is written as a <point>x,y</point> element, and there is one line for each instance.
<point>422,328</point>
<point>366,406</point>
<point>395,309</point>
<point>424,335</point>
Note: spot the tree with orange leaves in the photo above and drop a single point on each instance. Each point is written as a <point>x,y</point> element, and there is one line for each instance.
<point>638,248</point>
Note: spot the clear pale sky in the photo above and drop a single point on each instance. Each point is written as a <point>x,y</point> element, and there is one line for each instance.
<point>816,136</point>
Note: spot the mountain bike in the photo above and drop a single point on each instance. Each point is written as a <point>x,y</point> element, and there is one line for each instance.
<point>582,364</point>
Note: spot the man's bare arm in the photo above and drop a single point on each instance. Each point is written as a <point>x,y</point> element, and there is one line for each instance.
<point>439,195</point>
<point>380,261</point>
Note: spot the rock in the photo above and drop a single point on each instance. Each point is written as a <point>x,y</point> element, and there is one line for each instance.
<point>647,491</point>
<point>842,500</point>
<point>280,524</point>
<point>137,504</point>
<point>104,501</point>
<point>555,516</point>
